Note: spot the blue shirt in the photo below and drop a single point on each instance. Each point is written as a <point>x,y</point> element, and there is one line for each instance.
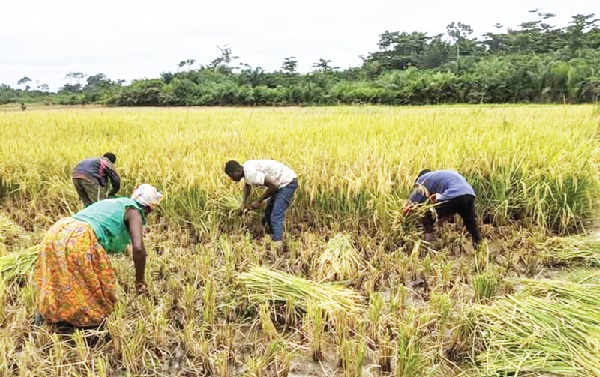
<point>445,184</point>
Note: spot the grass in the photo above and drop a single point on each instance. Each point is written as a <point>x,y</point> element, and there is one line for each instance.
<point>358,291</point>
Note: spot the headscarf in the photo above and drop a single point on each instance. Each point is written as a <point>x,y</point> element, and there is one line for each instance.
<point>147,195</point>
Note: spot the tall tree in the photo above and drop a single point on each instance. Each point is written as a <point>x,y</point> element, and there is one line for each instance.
<point>460,33</point>
<point>434,54</point>
<point>75,78</point>
<point>495,42</point>
<point>289,66</point>
<point>97,80</point>
<point>399,50</point>
<point>579,25</point>
<point>324,66</point>
<point>188,62</point>
<point>223,62</point>
<point>24,81</point>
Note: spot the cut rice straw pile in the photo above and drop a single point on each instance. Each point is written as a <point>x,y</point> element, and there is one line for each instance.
<point>265,284</point>
<point>568,250</point>
<point>552,327</point>
<point>18,264</point>
<point>339,261</point>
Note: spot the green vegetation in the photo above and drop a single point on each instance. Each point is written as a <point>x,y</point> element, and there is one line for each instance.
<point>535,62</point>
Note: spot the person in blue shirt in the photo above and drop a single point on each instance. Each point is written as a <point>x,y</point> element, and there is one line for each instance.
<point>451,193</point>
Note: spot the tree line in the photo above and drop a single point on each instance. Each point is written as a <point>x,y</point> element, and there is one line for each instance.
<point>533,63</point>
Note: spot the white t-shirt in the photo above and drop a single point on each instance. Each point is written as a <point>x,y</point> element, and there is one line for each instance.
<point>256,171</point>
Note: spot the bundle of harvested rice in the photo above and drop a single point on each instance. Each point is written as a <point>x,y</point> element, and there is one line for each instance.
<point>339,261</point>
<point>569,250</point>
<point>9,231</point>
<point>18,264</point>
<point>588,293</point>
<point>228,203</point>
<point>549,328</point>
<point>265,284</point>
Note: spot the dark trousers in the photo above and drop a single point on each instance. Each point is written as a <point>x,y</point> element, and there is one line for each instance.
<point>274,215</point>
<point>89,191</point>
<point>464,205</point>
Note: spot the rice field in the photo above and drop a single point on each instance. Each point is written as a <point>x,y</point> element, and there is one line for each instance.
<point>357,292</point>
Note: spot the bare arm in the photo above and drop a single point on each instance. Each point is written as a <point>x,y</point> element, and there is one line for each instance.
<point>133,220</point>
<point>271,189</point>
<point>247,190</point>
<point>115,180</point>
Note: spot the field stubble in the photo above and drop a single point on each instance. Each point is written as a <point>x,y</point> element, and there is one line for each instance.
<point>221,303</point>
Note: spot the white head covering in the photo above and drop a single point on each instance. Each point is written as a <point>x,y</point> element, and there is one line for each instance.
<point>147,195</point>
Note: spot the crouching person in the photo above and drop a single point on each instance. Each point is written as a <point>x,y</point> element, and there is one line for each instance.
<point>73,274</point>
<point>452,194</point>
<point>281,183</point>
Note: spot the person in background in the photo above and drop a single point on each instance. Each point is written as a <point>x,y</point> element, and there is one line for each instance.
<point>73,275</point>
<point>92,175</point>
<point>281,183</point>
<point>451,194</point>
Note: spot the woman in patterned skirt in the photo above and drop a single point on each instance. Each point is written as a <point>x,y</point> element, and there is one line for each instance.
<point>74,277</point>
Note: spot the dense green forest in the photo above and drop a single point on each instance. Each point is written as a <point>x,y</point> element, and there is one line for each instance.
<point>534,63</point>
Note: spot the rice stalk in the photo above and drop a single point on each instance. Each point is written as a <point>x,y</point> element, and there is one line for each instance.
<point>339,261</point>
<point>409,352</point>
<point>352,356</point>
<point>560,251</point>
<point>551,327</point>
<point>586,293</point>
<point>313,328</point>
<point>486,285</point>
<point>18,264</point>
<point>266,284</point>
<point>228,203</point>
<point>8,230</point>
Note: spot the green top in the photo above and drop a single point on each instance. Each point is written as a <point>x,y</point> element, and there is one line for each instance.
<point>106,218</point>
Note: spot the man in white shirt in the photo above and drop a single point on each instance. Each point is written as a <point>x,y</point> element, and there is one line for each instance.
<point>281,183</point>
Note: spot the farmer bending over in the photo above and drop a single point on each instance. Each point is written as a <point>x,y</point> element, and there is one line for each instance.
<point>91,177</point>
<point>280,181</point>
<point>74,278</point>
<point>451,194</point>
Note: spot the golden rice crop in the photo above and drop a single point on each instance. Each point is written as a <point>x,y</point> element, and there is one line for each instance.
<point>18,263</point>
<point>9,232</point>
<point>268,285</point>
<point>531,163</point>
<point>531,166</point>
<point>339,260</point>
<point>569,250</point>
<point>550,328</point>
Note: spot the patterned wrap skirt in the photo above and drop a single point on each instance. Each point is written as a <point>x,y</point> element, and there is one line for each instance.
<point>75,280</point>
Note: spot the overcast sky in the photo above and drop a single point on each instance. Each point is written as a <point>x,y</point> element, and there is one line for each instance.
<point>128,39</point>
